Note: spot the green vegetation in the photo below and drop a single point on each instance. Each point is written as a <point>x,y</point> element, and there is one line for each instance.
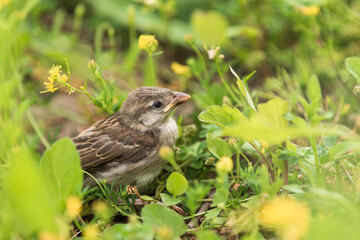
<point>269,142</point>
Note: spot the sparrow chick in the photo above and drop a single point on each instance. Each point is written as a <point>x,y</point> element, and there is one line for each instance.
<point>123,148</point>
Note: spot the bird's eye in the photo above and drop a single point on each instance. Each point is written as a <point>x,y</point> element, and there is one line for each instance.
<point>157,104</point>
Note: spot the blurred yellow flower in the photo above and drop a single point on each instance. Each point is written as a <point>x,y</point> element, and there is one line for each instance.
<point>310,11</point>
<point>91,232</point>
<point>4,3</point>
<point>164,233</point>
<point>73,206</point>
<point>264,145</point>
<point>46,235</point>
<point>180,69</point>
<point>166,153</point>
<point>225,165</point>
<point>288,217</point>
<point>148,43</point>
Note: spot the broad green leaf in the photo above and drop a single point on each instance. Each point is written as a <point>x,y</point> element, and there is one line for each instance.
<point>329,141</point>
<point>314,91</point>
<point>129,231</point>
<point>61,167</point>
<point>209,27</point>
<point>274,110</point>
<point>29,198</point>
<point>222,116</point>
<point>243,89</point>
<point>353,66</point>
<point>217,146</point>
<point>293,188</point>
<point>212,213</point>
<point>169,200</point>
<point>176,184</point>
<point>158,216</point>
<point>291,146</point>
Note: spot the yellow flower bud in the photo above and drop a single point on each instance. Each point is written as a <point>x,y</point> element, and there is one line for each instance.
<point>91,232</point>
<point>166,153</point>
<point>189,39</point>
<point>73,206</point>
<point>224,165</point>
<point>148,43</point>
<point>180,69</point>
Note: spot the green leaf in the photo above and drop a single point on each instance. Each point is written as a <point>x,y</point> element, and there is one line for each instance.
<point>217,146</point>
<point>274,110</point>
<point>168,200</point>
<point>330,140</point>
<point>29,198</point>
<point>61,167</point>
<point>207,235</point>
<point>353,66</point>
<point>157,216</point>
<point>212,213</point>
<point>222,191</point>
<point>243,89</point>
<point>176,184</point>
<point>339,149</point>
<point>314,91</point>
<point>222,116</point>
<point>291,146</point>
<point>209,27</point>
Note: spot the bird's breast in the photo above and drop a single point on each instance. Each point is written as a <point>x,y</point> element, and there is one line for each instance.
<point>169,132</point>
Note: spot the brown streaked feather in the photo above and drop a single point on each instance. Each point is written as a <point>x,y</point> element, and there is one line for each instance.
<point>110,141</point>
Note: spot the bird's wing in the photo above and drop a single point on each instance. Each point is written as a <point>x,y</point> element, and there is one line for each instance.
<point>99,145</point>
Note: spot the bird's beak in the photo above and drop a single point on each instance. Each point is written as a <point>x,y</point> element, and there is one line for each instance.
<point>178,98</point>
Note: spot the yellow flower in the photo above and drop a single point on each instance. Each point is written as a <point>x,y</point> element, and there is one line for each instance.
<point>224,165</point>
<point>55,71</point>
<point>64,78</point>
<point>148,43</point>
<point>180,69</point>
<point>288,217</point>
<point>264,145</point>
<point>73,206</point>
<point>91,232</point>
<point>310,11</point>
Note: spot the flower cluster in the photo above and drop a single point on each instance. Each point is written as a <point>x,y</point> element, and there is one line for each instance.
<point>213,52</point>
<point>148,43</point>
<point>56,79</point>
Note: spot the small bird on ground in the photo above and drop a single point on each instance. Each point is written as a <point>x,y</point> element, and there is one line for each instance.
<point>123,148</point>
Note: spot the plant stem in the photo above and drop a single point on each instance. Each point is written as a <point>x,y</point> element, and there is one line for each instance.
<point>225,83</point>
<point>272,174</point>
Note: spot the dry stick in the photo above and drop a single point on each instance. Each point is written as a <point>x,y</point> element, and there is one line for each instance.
<point>266,162</point>
<point>286,172</point>
<point>203,208</point>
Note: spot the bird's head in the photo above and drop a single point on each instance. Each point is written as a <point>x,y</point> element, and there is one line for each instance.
<point>149,107</point>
